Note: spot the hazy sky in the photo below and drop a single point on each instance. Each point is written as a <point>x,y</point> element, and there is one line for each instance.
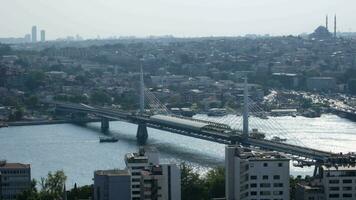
<point>90,18</point>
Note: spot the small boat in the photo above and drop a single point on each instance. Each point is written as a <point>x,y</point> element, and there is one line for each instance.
<point>108,139</point>
<point>3,124</point>
<point>278,139</point>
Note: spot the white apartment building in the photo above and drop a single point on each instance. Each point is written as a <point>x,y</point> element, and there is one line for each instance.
<point>136,162</point>
<point>112,185</point>
<point>14,179</point>
<point>339,183</point>
<point>256,175</point>
<point>161,182</point>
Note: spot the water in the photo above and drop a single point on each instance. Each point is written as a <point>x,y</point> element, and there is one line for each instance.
<point>77,150</point>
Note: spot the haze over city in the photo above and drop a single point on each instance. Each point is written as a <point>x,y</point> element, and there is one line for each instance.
<point>181,18</point>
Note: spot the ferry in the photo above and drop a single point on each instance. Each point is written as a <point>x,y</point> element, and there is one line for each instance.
<point>108,139</point>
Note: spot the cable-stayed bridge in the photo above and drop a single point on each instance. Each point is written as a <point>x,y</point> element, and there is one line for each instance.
<point>224,131</point>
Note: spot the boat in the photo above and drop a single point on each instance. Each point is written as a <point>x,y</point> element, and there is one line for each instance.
<point>3,124</point>
<point>278,139</point>
<point>108,139</point>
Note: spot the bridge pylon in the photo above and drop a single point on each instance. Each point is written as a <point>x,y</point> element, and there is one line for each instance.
<point>245,131</point>
<point>104,124</point>
<point>142,133</point>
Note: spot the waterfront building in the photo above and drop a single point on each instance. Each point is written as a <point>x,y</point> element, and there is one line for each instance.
<point>254,174</point>
<point>43,35</point>
<point>161,182</point>
<point>321,84</point>
<point>34,34</point>
<point>112,184</point>
<point>14,179</point>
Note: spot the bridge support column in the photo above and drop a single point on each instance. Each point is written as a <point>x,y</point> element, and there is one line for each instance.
<point>141,134</point>
<point>104,124</point>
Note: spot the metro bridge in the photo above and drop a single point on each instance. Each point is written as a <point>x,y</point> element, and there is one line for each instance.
<point>207,130</point>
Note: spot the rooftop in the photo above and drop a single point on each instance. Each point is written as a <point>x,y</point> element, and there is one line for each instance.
<point>112,172</point>
<point>6,165</point>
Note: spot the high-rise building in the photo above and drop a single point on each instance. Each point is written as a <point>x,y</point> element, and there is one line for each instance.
<point>34,34</point>
<point>254,174</point>
<point>112,185</point>
<point>14,179</point>
<point>43,35</point>
<point>27,38</point>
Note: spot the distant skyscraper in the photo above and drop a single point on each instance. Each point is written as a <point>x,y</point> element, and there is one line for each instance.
<point>34,33</point>
<point>335,26</point>
<point>327,23</point>
<point>43,35</point>
<point>28,38</point>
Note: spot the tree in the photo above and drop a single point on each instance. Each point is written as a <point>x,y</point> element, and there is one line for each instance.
<point>34,80</point>
<point>100,97</point>
<point>83,192</point>
<point>215,182</point>
<point>30,194</point>
<point>52,186</point>
<point>192,186</point>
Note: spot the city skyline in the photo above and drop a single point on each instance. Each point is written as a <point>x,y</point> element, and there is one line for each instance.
<point>181,19</point>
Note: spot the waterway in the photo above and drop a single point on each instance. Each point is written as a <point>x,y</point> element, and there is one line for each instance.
<point>76,149</point>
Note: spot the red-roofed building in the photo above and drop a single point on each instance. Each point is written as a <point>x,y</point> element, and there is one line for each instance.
<point>14,179</point>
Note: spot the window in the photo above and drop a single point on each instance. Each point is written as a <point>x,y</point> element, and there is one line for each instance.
<point>334,181</point>
<point>347,188</point>
<point>265,164</point>
<point>253,177</point>
<point>264,185</point>
<point>277,192</point>
<point>334,195</point>
<point>347,195</point>
<point>277,184</point>
<point>253,193</point>
<point>276,177</point>
<point>334,188</point>
<point>265,193</point>
<point>347,181</point>
<point>265,177</point>
<point>280,164</point>
<point>253,185</point>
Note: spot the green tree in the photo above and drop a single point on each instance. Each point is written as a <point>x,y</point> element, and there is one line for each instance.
<point>215,182</point>
<point>100,97</point>
<point>52,186</point>
<point>30,194</point>
<point>34,79</point>
<point>192,186</point>
<point>83,192</point>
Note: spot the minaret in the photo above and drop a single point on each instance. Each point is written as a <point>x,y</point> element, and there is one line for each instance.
<point>335,26</point>
<point>327,23</point>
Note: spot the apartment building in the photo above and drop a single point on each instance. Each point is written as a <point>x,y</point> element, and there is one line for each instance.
<point>256,175</point>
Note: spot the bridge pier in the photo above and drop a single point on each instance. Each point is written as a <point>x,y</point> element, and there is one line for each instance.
<point>104,124</point>
<point>142,134</point>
